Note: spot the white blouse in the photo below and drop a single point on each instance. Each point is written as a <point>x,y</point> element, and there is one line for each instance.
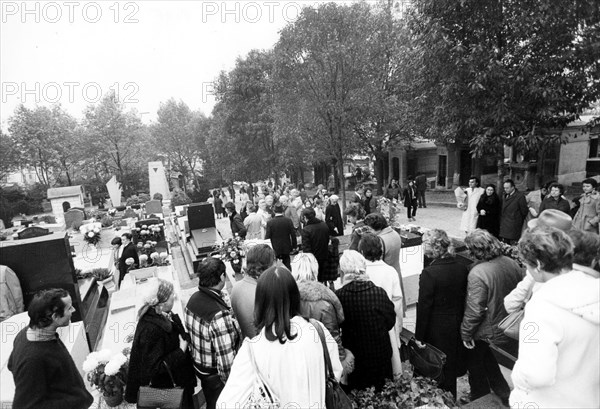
<point>294,371</point>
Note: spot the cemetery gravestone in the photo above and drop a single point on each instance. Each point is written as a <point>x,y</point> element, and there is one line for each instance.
<point>154,206</point>
<point>74,217</point>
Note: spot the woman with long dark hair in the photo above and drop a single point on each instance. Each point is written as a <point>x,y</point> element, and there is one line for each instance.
<point>488,209</point>
<point>285,350</point>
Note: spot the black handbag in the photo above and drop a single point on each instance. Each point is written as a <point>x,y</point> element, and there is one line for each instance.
<point>428,362</point>
<point>335,397</point>
<point>160,398</point>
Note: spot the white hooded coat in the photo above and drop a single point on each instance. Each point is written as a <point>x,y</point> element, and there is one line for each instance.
<point>559,346</point>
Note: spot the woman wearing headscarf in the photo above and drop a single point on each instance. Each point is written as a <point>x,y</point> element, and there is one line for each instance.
<point>160,341</point>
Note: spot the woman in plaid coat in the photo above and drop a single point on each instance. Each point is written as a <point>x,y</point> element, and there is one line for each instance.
<point>368,316</point>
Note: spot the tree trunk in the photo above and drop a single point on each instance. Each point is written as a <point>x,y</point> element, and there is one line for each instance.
<point>380,172</point>
<point>342,180</point>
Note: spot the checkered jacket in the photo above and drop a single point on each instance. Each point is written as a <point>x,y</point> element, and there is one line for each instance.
<point>368,316</point>
<point>215,333</point>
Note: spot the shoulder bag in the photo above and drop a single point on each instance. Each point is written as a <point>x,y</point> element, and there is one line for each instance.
<point>511,323</point>
<point>261,396</point>
<point>335,397</point>
<point>428,362</point>
<point>163,398</point>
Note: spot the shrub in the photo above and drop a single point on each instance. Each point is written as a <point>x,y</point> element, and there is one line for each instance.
<point>157,196</point>
<point>106,221</point>
<point>179,199</point>
<point>48,219</point>
<point>407,391</point>
<point>143,198</point>
<point>132,200</point>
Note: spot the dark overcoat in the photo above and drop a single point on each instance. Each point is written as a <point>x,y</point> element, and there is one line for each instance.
<point>129,251</point>
<point>333,218</point>
<point>440,309</point>
<point>491,220</point>
<point>514,212</point>
<point>156,340</point>
<point>315,239</point>
<point>281,232</point>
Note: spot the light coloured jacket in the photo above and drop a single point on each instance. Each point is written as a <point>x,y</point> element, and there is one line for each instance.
<point>588,215</point>
<point>11,295</point>
<point>559,352</point>
<point>517,298</point>
<point>294,371</point>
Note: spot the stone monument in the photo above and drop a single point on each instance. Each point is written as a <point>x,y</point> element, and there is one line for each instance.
<point>114,191</point>
<point>158,180</point>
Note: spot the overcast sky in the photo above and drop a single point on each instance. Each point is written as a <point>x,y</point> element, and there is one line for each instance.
<point>148,51</point>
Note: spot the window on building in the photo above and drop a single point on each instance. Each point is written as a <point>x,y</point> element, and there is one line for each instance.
<point>594,151</point>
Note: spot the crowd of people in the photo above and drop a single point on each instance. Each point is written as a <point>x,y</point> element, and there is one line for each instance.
<point>266,330</point>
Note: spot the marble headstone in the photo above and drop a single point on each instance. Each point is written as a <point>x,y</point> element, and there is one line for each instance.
<point>74,216</point>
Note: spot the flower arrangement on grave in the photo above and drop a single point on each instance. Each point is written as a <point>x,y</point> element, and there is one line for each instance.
<point>92,235</point>
<point>232,250</point>
<point>153,233</point>
<point>112,212</point>
<point>108,374</point>
<point>389,210</point>
<point>154,259</point>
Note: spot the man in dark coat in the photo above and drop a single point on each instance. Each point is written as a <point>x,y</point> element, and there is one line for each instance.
<point>128,251</point>
<point>235,221</point>
<point>358,196</point>
<point>280,230</point>
<point>315,238</point>
<point>410,199</point>
<point>514,212</point>
<point>421,185</point>
<point>333,217</point>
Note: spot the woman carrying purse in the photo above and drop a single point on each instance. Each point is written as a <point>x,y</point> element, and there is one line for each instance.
<point>160,345</point>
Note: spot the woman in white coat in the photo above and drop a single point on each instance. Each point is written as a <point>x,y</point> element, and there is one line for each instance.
<point>286,350</point>
<point>560,332</point>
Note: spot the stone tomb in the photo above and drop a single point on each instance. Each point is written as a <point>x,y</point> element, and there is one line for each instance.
<point>63,198</point>
<point>74,218</point>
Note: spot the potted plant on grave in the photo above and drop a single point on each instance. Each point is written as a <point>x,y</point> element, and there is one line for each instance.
<point>103,276</point>
<point>108,374</point>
